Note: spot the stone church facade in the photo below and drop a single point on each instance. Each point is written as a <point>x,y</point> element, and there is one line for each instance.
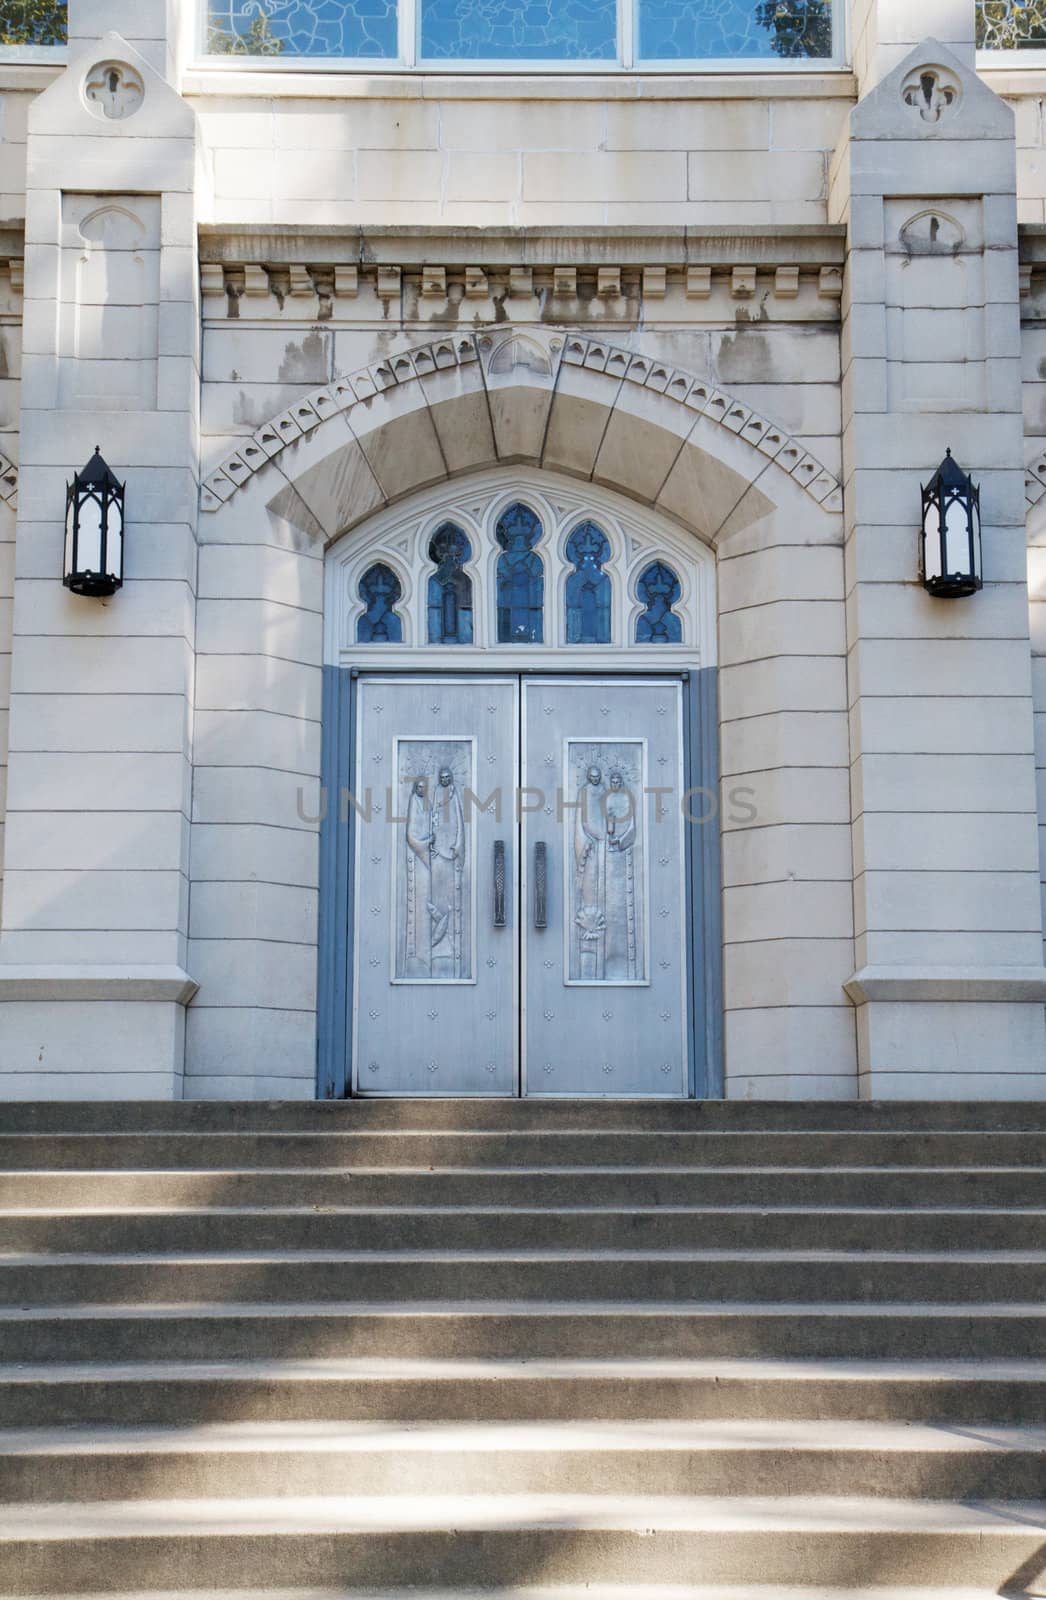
<point>522,680</point>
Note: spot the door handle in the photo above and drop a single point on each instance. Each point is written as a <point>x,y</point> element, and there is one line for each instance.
<point>540,886</point>
<point>500,879</point>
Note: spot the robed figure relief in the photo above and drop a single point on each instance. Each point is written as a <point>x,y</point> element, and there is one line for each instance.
<point>606,901</point>
<point>433,871</point>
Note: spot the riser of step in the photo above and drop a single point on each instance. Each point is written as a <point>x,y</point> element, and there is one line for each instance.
<point>74,1473</point>
<point>627,1188</point>
<point>525,1230</point>
<point>81,1394</point>
<point>424,1149</point>
<point>859,1278</point>
<point>325,1116</point>
<point>787,1332</point>
<point>493,1557</point>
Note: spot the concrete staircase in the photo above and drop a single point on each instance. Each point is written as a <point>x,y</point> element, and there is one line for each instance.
<point>631,1350</point>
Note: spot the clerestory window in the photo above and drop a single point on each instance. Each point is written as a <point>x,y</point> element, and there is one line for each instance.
<point>543,34</point>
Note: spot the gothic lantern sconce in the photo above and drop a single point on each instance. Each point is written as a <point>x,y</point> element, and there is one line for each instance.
<point>951,534</point>
<point>94,523</point>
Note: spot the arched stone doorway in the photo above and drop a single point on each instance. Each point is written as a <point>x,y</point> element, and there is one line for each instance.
<point>717,482</point>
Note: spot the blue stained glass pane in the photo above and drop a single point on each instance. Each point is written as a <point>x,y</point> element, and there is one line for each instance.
<point>521,578</point>
<point>379,590</point>
<point>349,28</point>
<point>519,30</point>
<point>1011,25</point>
<point>34,22</point>
<point>450,589</point>
<point>659,589</point>
<point>588,586</point>
<point>748,30</point>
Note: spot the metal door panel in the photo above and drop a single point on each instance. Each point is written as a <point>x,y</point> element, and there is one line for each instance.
<point>436,967</point>
<point>603,895</point>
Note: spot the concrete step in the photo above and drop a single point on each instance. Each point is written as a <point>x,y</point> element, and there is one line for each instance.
<point>330,1115</point>
<point>510,1330</point>
<point>868,1277</point>
<point>262,1460</point>
<point>167,1393</point>
<point>469,1189</point>
<point>601,1591</point>
<point>332,1227</point>
<point>496,1541</point>
<point>424,1148</point>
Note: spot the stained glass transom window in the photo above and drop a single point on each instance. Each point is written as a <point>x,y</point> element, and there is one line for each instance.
<point>335,28</point>
<point>659,589</point>
<point>450,588</point>
<point>536,31</point>
<point>379,622</point>
<point>1011,24</point>
<point>35,22</point>
<point>521,578</point>
<point>727,30</point>
<point>588,592</point>
<point>519,30</point>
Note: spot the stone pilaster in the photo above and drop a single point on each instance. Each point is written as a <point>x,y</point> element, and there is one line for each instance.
<point>949,986</point>
<point>95,915</point>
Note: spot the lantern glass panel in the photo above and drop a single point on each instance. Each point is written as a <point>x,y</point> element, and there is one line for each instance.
<point>70,530</point>
<point>89,541</point>
<point>114,541</point>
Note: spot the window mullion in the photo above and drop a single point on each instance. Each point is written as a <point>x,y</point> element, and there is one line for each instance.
<point>408,32</point>
<point>626,31</point>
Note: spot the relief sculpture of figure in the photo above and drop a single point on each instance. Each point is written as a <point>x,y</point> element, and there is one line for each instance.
<point>590,874</point>
<point>447,862</point>
<point>419,837</point>
<point>434,944</point>
<point>606,927</point>
<point>623,953</point>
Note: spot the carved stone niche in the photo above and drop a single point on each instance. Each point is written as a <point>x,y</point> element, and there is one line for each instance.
<point>113,90</point>
<point>932,233</point>
<point>931,93</point>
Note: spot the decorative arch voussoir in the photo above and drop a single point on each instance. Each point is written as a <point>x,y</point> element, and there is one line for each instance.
<point>696,395</point>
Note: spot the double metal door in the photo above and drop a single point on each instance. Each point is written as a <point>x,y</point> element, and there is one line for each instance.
<point>520,904</point>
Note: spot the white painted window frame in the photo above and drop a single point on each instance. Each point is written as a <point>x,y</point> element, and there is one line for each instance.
<point>408,60</point>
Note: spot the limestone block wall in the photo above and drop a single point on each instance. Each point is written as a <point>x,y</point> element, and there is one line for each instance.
<point>490,152</point>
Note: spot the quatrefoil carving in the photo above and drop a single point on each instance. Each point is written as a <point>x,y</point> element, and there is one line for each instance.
<point>932,93</point>
<point>113,90</point>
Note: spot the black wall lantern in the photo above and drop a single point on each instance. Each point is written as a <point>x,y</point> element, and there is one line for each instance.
<point>951,536</point>
<point>94,511</point>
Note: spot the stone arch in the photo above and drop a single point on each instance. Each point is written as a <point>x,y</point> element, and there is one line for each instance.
<point>588,409</point>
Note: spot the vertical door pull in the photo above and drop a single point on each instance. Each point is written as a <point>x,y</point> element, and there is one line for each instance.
<point>499,883</point>
<point>541,886</point>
